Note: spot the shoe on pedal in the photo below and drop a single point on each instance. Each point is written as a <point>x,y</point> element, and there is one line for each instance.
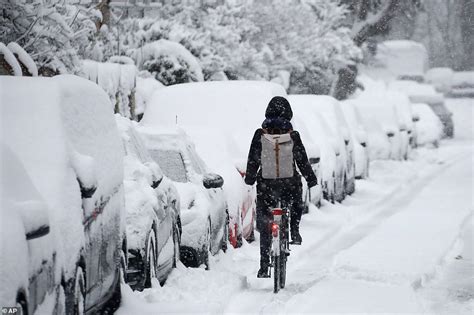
<point>263,273</point>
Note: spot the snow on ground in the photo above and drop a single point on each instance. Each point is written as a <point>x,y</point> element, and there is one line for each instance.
<point>386,248</point>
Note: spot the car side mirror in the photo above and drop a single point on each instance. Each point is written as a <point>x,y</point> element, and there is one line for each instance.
<point>336,148</point>
<point>34,214</point>
<point>212,181</point>
<point>156,176</point>
<point>156,182</point>
<point>84,167</point>
<point>314,160</point>
<point>361,136</point>
<point>86,192</point>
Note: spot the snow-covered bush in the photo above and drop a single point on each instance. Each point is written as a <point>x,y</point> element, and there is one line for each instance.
<point>256,41</point>
<point>26,62</point>
<point>169,62</point>
<point>8,63</point>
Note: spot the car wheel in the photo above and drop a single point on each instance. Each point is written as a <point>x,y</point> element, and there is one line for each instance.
<point>79,293</point>
<point>225,236</point>
<point>60,307</point>
<point>177,244</point>
<point>207,247</point>
<point>150,265</point>
<point>114,302</point>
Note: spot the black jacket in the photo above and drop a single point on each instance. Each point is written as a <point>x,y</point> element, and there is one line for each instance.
<point>254,172</point>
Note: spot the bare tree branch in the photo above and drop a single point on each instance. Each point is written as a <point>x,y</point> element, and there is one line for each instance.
<point>374,23</point>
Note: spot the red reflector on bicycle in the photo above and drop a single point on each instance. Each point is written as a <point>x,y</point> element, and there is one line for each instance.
<point>275,229</point>
<point>277,211</point>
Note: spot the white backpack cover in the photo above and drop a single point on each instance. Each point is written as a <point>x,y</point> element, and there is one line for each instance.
<point>277,156</point>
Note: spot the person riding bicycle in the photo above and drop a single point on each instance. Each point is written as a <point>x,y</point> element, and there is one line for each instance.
<point>286,188</point>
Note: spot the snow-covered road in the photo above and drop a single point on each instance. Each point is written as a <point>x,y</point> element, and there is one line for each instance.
<point>401,244</point>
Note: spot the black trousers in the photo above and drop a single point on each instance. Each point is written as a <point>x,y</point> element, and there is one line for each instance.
<point>290,193</point>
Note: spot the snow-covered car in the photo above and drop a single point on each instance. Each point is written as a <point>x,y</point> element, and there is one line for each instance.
<point>404,115</point>
<point>399,59</point>
<point>304,125</point>
<point>241,198</point>
<point>204,211</point>
<point>221,118</point>
<point>63,132</point>
<point>359,138</point>
<point>28,247</point>
<point>425,93</point>
<point>330,110</point>
<point>462,84</point>
<point>381,129</point>
<point>152,213</point>
<point>379,116</point>
<point>318,133</point>
<point>429,126</point>
<point>441,78</point>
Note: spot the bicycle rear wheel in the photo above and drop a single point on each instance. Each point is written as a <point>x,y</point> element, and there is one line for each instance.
<point>276,273</point>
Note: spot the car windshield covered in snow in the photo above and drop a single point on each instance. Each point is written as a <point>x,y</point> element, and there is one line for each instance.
<point>172,164</point>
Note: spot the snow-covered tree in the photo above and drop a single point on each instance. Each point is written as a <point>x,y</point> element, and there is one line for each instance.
<point>311,47</point>
<point>53,32</point>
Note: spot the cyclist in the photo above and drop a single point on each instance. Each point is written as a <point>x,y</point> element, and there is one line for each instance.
<point>269,190</point>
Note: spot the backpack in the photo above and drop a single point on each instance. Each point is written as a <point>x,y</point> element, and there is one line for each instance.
<point>277,156</point>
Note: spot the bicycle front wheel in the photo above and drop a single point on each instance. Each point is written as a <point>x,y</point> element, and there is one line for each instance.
<point>276,273</point>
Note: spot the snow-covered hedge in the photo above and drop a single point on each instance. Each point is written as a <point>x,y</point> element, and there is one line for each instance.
<point>169,62</point>
<point>241,43</point>
<point>8,61</point>
<point>24,58</point>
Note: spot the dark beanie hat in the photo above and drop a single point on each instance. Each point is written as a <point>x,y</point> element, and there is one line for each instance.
<point>279,107</point>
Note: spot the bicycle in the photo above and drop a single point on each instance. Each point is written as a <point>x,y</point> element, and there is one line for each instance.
<point>280,249</point>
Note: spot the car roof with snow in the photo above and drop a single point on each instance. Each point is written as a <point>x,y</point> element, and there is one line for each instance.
<point>325,106</point>
<point>32,127</point>
<point>63,127</point>
<point>418,92</point>
<point>212,102</point>
<point>234,107</point>
<point>403,57</point>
